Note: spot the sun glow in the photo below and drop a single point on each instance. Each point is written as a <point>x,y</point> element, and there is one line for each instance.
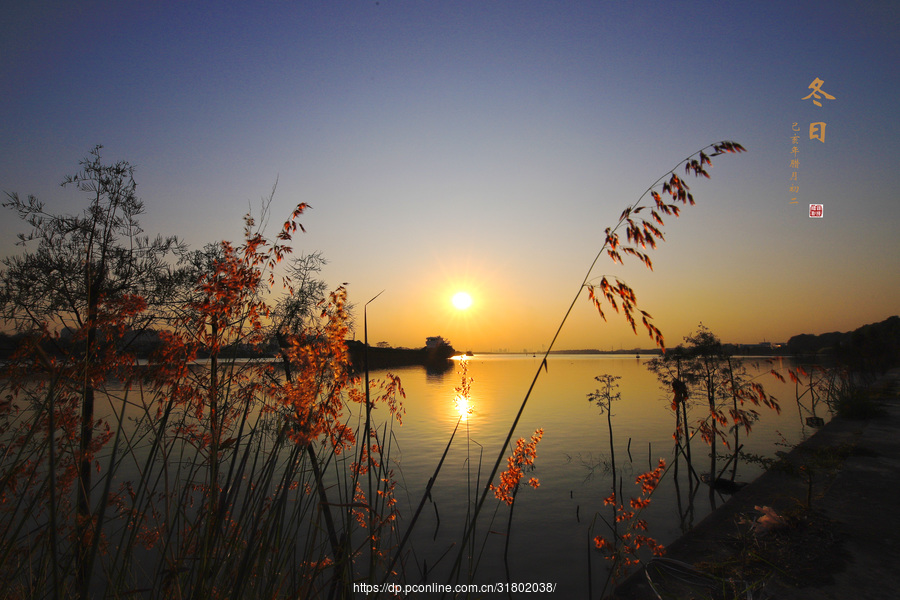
<point>463,407</point>
<point>462,300</point>
<point>462,402</point>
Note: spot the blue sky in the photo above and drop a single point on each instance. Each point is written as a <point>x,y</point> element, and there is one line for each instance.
<point>486,146</point>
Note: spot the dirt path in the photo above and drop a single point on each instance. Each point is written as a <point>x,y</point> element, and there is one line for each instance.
<point>846,546</point>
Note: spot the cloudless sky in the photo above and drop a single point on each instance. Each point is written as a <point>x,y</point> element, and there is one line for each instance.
<point>485,146</point>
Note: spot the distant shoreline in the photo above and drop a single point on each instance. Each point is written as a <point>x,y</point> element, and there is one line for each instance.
<point>736,350</point>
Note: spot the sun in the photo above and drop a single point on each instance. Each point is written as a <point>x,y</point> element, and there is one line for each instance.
<point>462,300</point>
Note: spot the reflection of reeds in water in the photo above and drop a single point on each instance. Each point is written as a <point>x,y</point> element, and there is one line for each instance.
<point>624,523</point>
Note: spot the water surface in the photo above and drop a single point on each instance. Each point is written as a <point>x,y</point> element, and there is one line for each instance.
<point>552,525</point>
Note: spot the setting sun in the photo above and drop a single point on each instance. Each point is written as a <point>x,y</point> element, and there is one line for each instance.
<point>462,300</point>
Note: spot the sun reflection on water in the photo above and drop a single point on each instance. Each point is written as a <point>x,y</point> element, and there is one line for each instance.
<point>463,407</point>
<point>462,402</point>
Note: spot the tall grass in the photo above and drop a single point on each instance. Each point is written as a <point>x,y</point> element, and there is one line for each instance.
<point>224,478</point>
<point>642,234</point>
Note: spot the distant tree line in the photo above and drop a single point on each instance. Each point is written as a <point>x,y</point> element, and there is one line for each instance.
<point>874,347</point>
<point>140,344</point>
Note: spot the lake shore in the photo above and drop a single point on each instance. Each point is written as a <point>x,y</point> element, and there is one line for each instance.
<point>846,546</point>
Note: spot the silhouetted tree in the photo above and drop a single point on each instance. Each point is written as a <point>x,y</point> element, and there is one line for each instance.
<point>83,280</point>
<point>702,369</point>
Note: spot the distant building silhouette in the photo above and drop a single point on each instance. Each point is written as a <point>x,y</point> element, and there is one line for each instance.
<point>436,341</point>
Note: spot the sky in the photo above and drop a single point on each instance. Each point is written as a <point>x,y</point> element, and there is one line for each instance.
<point>486,146</point>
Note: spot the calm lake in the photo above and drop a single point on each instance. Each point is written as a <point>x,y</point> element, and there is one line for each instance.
<point>550,539</point>
<point>553,525</point>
